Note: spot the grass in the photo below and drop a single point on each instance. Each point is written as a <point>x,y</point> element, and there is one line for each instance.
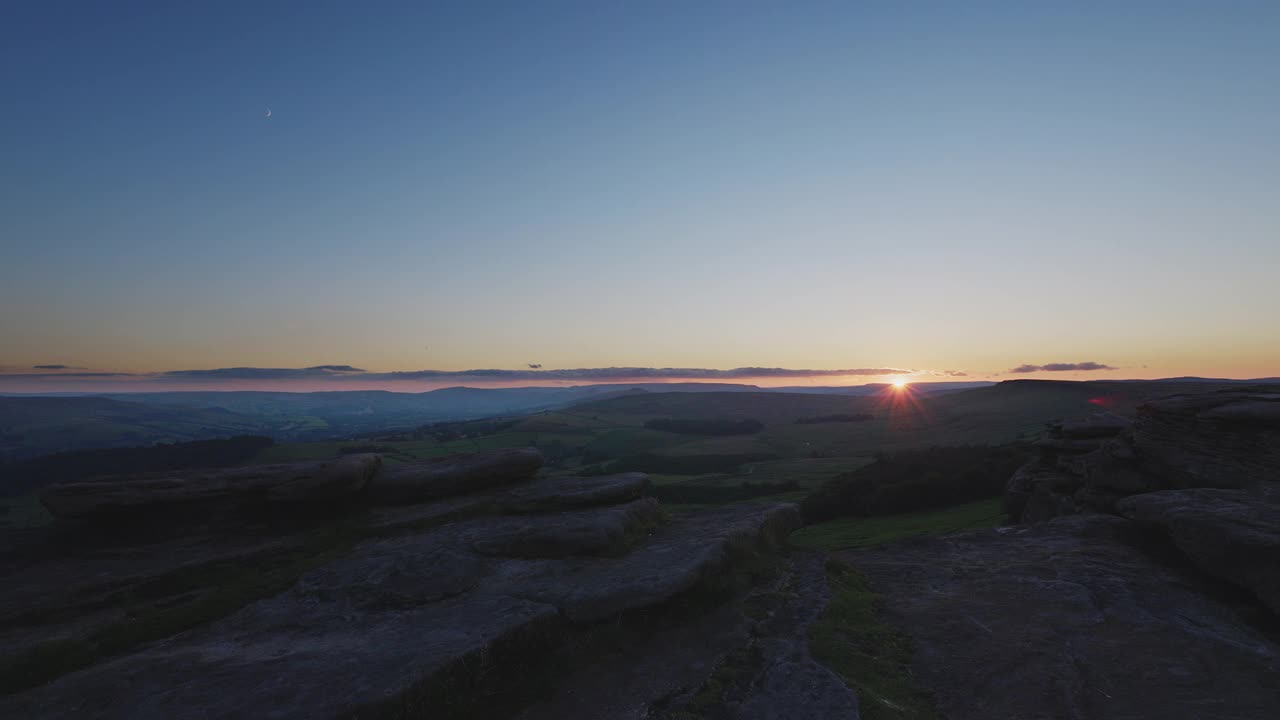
<point>872,657</point>
<point>851,638</point>
<point>858,532</point>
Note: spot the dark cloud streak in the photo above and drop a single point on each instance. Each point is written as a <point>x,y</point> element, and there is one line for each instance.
<point>633,373</point>
<point>252,373</point>
<point>1061,367</point>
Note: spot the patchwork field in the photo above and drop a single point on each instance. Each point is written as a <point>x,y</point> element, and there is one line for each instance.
<point>784,460</point>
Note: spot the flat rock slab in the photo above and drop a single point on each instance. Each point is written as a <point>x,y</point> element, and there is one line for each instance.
<point>396,518</point>
<point>131,495</point>
<point>672,561</point>
<point>71,596</point>
<point>453,475</point>
<point>280,659</point>
<point>561,534</point>
<point>570,492</point>
<point>1232,534</point>
<point>361,634</point>
<point>656,676</point>
<point>1068,620</point>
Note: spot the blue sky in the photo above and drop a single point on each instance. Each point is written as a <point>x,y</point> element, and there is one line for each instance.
<point>971,186</point>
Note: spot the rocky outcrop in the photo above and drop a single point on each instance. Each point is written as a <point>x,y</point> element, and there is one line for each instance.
<point>129,497</point>
<point>1084,464</point>
<point>1220,439</point>
<point>1202,471</point>
<point>1231,534</point>
<point>1225,439</point>
<point>1072,618</point>
<point>453,475</point>
<point>455,590</point>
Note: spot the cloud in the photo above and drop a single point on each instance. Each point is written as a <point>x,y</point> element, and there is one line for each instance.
<point>1061,367</point>
<point>634,373</point>
<point>342,374</point>
<point>955,373</point>
<point>55,367</point>
<point>61,375</point>
<point>253,373</point>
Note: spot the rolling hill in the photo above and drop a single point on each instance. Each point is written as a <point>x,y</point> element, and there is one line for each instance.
<point>34,426</point>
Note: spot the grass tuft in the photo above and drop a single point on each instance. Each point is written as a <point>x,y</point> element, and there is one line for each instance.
<point>872,657</point>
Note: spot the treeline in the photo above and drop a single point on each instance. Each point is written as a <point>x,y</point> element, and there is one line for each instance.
<point>837,418</point>
<point>930,479</point>
<point>707,426</point>
<point>17,478</point>
<point>677,464</point>
<point>447,431</point>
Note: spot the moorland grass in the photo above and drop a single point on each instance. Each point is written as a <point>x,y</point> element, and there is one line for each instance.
<point>846,533</point>
<point>851,637</point>
<point>872,657</point>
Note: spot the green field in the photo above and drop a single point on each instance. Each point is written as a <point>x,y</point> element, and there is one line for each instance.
<point>595,436</point>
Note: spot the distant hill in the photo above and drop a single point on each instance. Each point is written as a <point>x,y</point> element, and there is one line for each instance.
<point>875,388</point>
<point>970,412</point>
<point>34,426</point>
<point>902,420</point>
<point>768,407</point>
<point>20,477</point>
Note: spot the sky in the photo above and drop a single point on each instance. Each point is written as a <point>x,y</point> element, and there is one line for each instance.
<point>925,188</point>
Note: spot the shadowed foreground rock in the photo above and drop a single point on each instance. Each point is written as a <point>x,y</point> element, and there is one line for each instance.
<point>453,475</point>
<point>1232,534</point>
<point>1068,619</point>
<point>127,497</point>
<point>728,665</point>
<point>463,591</point>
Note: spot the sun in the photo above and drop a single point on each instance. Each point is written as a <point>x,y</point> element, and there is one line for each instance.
<point>899,384</point>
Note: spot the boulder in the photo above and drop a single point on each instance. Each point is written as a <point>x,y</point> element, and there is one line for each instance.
<point>128,496</point>
<point>571,492</point>
<point>1231,534</point>
<point>453,475</point>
